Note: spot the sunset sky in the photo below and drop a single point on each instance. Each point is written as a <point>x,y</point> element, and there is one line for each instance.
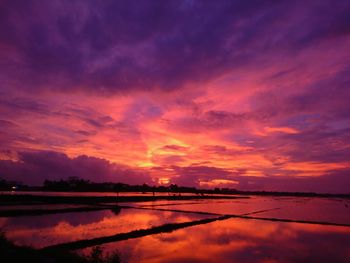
<point>253,95</point>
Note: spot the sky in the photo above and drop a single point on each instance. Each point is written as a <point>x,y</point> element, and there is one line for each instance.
<point>252,95</point>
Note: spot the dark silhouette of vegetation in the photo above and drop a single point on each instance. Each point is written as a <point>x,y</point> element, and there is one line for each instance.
<point>116,210</point>
<point>4,185</point>
<point>81,185</point>
<point>12,253</point>
<point>75,184</point>
<point>12,185</point>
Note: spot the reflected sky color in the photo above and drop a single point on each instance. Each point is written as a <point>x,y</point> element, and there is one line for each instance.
<point>229,240</point>
<point>334,211</point>
<point>46,230</point>
<point>237,240</point>
<point>250,95</point>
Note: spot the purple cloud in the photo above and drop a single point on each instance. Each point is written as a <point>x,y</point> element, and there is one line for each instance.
<point>115,46</point>
<point>35,167</point>
<point>214,90</point>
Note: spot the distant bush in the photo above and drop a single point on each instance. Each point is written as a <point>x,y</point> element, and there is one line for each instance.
<point>12,253</point>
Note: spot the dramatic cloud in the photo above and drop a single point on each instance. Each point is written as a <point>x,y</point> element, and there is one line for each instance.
<point>36,167</point>
<point>115,45</point>
<point>243,94</point>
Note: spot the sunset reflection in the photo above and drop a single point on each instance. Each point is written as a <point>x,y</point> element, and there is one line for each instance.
<point>237,240</point>
<point>60,228</point>
<point>175,131</point>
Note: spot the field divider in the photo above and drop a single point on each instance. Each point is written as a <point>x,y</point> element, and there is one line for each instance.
<point>166,228</point>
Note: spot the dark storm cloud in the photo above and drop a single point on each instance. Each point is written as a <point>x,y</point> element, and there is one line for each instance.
<point>35,167</point>
<point>117,46</point>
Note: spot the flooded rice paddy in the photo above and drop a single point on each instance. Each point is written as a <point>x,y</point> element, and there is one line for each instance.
<point>254,229</point>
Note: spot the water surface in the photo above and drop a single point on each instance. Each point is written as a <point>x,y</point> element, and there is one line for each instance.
<point>229,240</point>
<point>45,230</point>
<point>239,240</point>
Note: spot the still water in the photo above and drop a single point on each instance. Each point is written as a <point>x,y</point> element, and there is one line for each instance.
<point>239,240</point>
<point>45,230</point>
<point>328,210</point>
<point>319,231</point>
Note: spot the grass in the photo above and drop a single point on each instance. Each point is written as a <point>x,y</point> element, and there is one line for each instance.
<point>12,253</point>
